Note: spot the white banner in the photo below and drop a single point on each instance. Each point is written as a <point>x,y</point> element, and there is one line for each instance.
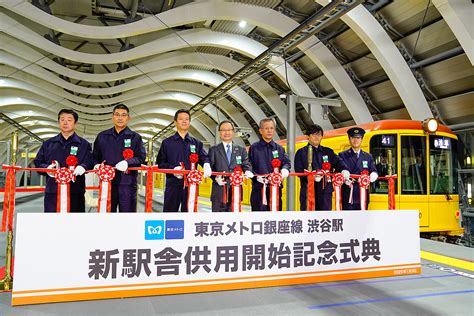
<point>66,257</point>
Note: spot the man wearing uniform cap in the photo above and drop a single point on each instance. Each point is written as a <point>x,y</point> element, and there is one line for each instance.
<point>356,161</point>
<point>53,155</point>
<point>110,147</point>
<point>320,155</point>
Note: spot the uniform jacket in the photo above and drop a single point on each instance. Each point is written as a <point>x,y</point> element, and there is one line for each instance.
<point>175,150</point>
<point>58,148</point>
<point>109,146</point>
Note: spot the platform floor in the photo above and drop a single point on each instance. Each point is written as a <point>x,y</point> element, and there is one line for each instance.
<point>445,287</point>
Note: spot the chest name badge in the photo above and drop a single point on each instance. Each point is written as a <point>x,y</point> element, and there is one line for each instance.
<point>193,148</point>
<point>127,142</point>
<point>73,150</point>
<point>325,158</point>
<point>275,153</point>
<point>238,159</point>
<point>365,164</point>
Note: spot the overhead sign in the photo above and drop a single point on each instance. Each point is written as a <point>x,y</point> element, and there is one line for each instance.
<point>67,257</point>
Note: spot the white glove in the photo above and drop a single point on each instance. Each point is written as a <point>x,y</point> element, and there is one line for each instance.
<point>318,178</point>
<point>348,182</point>
<point>248,174</point>
<point>261,179</point>
<point>220,181</point>
<point>207,170</point>
<point>122,166</point>
<point>178,175</point>
<point>79,171</point>
<point>285,173</point>
<point>346,174</point>
<point>53,165</point>
<point>96,166</point>
<point>373,176</point>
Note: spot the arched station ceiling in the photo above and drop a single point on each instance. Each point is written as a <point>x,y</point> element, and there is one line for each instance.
<point>383,59</point>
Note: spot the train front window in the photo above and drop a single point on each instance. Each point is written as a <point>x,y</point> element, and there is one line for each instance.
<point>413,173</point>
<point>384,150</point>
<point>443,165</point>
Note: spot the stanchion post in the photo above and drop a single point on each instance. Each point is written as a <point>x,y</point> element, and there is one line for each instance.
<point>6,283</point>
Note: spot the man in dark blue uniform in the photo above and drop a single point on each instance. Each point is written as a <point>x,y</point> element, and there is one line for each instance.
<point>356,161</point>
<point>53,154</point>
<point>109,148</point>
<point>225,157</point>
<point>320,155</point>
<point>174,152</point>
<point>261,155</point>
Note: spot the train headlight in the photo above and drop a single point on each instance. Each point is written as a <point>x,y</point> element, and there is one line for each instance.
<point>430,125</point>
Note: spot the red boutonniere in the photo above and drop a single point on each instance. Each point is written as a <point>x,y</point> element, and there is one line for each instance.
<point>194,158</point>
<point>276,163</point>
<point>326,166</point>
<point>128,154</point>
<point>71,161</point>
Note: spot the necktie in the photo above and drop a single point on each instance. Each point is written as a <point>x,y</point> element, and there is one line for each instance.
<point>228,152</point>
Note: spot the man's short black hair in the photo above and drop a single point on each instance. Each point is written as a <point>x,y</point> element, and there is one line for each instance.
<point>182,111</point>
<point>69,111</point>
<point>121,107</point>
<point>224,122</point>
<point>315,128</point>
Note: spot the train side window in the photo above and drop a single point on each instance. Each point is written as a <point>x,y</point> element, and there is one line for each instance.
<point>443,165</point>
<point>413,175</point>
<point>384,150</point>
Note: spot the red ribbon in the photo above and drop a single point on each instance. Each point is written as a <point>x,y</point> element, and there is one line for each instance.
<point>194,178</point>
<point>9,199</point>
<point>149,190</point>
<point>63,177</point>
<point>311,200</point>
<point>236,179</point>
<point>275,180</point>
<point>364,182</point>
<point>391,192</point>
<point>337,181</point>
<point>106,174</point>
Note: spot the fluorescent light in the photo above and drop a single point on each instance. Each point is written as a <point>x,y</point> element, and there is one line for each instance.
<point>243,24</point>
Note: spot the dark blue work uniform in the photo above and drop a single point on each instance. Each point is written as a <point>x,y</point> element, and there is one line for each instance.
<point>173,151</point>
<point>108,148</point>
<point>58,148</point>
<point>261,155</point>
<point>323,196</point>
<point>355,165</point>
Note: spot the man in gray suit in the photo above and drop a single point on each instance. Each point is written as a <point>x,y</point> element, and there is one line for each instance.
<point>224,157</point>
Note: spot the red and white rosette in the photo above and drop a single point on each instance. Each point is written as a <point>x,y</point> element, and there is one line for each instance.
<point>337,181</point>
<point>236,179</point>
<point>194,178</point>
<point>63,177</point>
<point>364,182</point>
<point>275,179</point>
<point>106,174</point>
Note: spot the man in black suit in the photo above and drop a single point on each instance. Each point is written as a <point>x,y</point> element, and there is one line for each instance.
<point>225,157</point>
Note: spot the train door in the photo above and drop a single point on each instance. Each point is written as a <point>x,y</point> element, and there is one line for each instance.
<point>383,148</point>
<point>443,183</point>
<point>413,176</point>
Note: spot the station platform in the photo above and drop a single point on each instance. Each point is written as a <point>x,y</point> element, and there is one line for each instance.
<point>445,287</point>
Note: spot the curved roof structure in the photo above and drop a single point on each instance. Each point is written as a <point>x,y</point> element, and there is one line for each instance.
<point>383,59</point>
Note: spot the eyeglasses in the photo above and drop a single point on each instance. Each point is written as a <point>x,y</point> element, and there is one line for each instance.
<point>226,130</point>
<point>120,115</point>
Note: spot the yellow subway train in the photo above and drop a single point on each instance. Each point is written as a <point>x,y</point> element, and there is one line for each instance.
<point>425,162</point>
